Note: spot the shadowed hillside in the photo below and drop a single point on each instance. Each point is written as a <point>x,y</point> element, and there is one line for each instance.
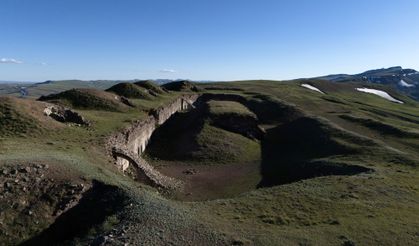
<point>290,152</point>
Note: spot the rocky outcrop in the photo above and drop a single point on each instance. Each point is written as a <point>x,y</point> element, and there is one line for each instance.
<point>126,101</point>
<point>65,115</point>
<point>128,145</point>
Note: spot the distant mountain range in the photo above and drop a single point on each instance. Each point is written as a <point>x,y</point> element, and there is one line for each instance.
<point>403,80</point>
<point>15,82</point>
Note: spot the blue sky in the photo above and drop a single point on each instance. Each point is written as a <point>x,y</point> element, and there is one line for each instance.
<point>204,39</point>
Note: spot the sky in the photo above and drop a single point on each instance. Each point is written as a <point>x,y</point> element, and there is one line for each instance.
<point>204,39</point>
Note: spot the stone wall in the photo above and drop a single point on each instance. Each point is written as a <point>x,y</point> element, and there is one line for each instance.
<point>140,133</point>
<point>153,177</point>
<point>135,137</point>
<point>183,103</point>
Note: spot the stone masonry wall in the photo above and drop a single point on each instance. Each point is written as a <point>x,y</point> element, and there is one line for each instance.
<point>163,113</point>
<point>135,137</point>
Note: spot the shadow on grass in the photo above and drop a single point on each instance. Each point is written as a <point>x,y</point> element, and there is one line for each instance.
<point>288,152</point>
<point>176,138</point>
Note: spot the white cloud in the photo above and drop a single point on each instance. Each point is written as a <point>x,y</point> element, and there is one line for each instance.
<point>10,61</point>
<point>44,63</point>
<point>168,70</point>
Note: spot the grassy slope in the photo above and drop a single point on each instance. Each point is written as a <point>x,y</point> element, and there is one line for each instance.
<point>376,208</point>
<point>373,208</point>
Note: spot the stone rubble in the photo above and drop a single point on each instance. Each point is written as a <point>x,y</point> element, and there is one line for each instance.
<point>26,189</point>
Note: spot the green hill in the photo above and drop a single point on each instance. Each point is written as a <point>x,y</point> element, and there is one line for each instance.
<point>130,90</point>
<point>150,86</point>
<point>86,99</point>
<point>183,85</point>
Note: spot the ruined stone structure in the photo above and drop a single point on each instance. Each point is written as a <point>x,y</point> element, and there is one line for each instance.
<point>162,114</point>
<point>127,146</point>
<point>154,177</point>
<point>65,115</point>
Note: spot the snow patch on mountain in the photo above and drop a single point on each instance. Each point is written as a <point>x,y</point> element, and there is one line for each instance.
<point>380,93</point>
<point>405,84</point>
<point>312,88</point>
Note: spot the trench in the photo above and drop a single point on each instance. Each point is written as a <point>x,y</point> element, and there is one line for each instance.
<point>293,147</point>
<point>128,146</point>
